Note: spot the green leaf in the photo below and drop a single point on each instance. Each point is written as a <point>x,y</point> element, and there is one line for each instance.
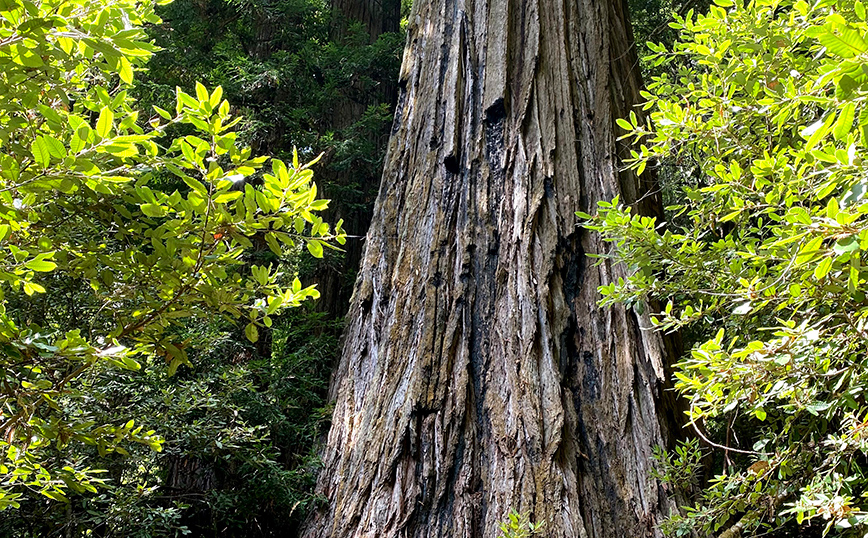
<point>55,147</point>
<point>39,150</point>
<point>823,268</point>
<point>216,95</point>
<point>844,123</point>
<point>847,43</point>
<point>315,248</point>
<point>163,112</point>
<point>818,131</point>
<point>832,208</point>
<point>105,122</point>
<point>32,287</point>
<point>732,215</point>
<point>173,366</point>
<point>226,197</point>
<point>202,93</point>
<point>273,245</point>
<point>846,85</point>
<point>153,210</point>
<point>55,496</point>
<point>41,266</point>
<point>251,332</point>
<point>193,183</point>
<point>125,70</point>
<point>810,250</point>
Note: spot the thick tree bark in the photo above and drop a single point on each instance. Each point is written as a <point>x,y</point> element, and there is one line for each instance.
<point>478,375</point>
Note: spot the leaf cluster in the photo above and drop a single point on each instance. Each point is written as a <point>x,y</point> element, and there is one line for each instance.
<point>519,525</point>
<point>765,254</point>
<point>155,225</point>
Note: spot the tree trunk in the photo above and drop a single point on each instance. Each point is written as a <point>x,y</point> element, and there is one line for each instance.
<point>352,189</point>
<point>478,375</point>
<point>376,16</point>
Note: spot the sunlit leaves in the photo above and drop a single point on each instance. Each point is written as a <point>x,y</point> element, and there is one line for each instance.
<point>843,41</point>
<point>105,122</point>
<point>157,229</point>
<point>764,116</point>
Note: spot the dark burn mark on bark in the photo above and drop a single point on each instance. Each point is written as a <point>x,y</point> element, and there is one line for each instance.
<point>451,164</point>
<point>480,347</point>
<point>571,260</point>
<point>591,378</point>
<point>494,244</point>
<point>495,118</point>
<point>569,351</point>
<point>496,112</point>
<point>421,411</point>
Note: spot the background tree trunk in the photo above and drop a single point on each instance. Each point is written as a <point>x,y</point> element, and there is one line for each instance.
<point>353,189</point>
<point>478,374</point>
<point>376,16</point>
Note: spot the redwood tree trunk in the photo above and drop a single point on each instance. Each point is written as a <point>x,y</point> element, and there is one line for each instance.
<point>478,374</point>
<point>353,205</point>
<point>376,16</point>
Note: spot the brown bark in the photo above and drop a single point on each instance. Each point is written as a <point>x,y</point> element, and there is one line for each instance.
<point>376,16</point>
<point>478,375</point>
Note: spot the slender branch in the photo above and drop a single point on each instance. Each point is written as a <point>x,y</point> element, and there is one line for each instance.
<point>189,284</point>
<point>724,447</point>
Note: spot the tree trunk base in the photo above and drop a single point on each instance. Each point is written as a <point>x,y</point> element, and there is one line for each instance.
<point>478,375</point>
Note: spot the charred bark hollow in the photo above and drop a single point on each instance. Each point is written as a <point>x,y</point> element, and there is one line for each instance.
<point>478,375</point>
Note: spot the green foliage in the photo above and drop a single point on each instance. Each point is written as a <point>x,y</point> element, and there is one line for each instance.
<point>681,469</point>
<point>239,431</point>
<point>154,225</point>
<point>519,526</point>
<point>295,81</point>
<point>301,83</point>
<point>764,256</point>
<point>650,20</point>
<point>303,77</point>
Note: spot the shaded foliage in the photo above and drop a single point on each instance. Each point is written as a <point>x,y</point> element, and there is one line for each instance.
<point>238,435</point>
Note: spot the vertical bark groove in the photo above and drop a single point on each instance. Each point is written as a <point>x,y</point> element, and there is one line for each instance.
<point>478,374</point>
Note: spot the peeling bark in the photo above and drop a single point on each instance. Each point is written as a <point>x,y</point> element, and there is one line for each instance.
<point>478,375</point>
